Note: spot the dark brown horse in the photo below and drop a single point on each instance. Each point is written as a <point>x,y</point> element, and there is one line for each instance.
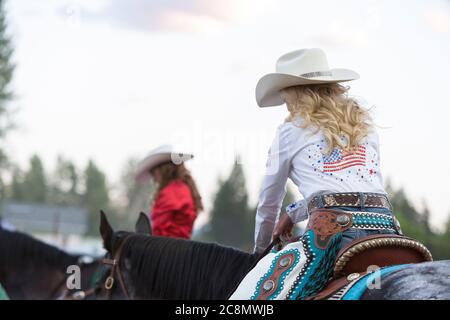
<point>149,267</point>
<point>32,269</point>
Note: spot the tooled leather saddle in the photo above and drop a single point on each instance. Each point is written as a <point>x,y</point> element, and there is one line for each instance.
<point>354,259</point>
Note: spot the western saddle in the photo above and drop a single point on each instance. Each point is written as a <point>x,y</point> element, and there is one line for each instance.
<point>354,259</point>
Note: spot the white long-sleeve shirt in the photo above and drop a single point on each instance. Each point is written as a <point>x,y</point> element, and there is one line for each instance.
<point>299,154</point>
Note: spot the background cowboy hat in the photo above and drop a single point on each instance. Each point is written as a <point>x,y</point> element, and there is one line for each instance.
<point>300,67</point>
<point>157,156</point>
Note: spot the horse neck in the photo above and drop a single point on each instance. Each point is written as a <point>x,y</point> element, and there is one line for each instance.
<point>31,267</point>
<point>197,271</point>
<point>20,249</point>
<point>224,276</point>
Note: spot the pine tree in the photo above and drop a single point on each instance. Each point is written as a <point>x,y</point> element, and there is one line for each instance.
<point>96,195</point>
<point>6,74</point>
<point>415,224</point>
<point>446,235</point>
<point>136,197</point>
<point>34,185</point>
<point>65,184</point>
<point>16,188</point>
<point>232,222</point>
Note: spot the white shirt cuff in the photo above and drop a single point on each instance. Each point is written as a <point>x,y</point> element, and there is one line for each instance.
<point>297,211</point>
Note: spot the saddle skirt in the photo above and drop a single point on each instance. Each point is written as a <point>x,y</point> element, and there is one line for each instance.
<point>296,271</point>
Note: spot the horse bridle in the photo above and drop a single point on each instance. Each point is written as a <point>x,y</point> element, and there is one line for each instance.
<point>115,269</point>
<point>109,282</point>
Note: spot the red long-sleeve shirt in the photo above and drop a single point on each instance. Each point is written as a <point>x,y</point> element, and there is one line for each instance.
<point>173,213</point>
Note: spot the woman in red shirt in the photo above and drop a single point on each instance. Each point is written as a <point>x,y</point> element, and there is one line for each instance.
<point>177,200</point>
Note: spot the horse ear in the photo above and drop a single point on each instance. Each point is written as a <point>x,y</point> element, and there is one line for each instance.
<point>143,224</point>
<point>105,231</point>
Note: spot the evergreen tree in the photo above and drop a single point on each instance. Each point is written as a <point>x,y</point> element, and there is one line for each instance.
<point>64,188</point>
<point>415,224</point>
<point>16,191</point>
<point>446,234</point>
<point>6,74</point>
<point>34,187</point>
<point>425,219</point>
<point>136,197</point>
<point>95,196</point>
<point>3,189</point>
<point>232,223</point>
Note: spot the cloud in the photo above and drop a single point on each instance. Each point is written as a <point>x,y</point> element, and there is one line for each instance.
<point>438,21</point>
<point>343,28</point>
<point>342,35</point>
<point>342,39</point>
<point>174,15</point>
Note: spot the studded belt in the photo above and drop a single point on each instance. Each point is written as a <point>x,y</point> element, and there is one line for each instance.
<point>352,199</point>
<point>374,221</point>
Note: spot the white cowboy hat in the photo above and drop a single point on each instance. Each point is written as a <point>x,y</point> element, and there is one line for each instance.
<point>300,67</point>
<point>156,157</point>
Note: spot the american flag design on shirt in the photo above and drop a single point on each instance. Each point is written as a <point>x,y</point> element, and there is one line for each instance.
<point>340,160</point>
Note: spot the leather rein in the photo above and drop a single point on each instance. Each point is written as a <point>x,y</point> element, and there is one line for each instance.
<point>110,280</point>
<point>115,270</point>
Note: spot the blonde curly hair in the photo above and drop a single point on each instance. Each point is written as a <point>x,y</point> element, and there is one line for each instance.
<point>328,107</point>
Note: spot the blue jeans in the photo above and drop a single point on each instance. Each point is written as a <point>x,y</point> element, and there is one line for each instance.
<point>351,234</point>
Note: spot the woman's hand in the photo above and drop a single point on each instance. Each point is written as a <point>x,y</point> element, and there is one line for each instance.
<point>284,227</point>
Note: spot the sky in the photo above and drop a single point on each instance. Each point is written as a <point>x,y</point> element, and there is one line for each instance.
<point>110,80</point>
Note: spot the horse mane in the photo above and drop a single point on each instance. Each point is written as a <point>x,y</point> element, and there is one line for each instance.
<point>169,268</point>
<point>19,250</point>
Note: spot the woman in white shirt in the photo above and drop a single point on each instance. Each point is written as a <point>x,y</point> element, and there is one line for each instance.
<point>326,145</point>
<point>329,148</point>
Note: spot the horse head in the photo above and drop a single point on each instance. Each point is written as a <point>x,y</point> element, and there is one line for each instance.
<point>114,283</point>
